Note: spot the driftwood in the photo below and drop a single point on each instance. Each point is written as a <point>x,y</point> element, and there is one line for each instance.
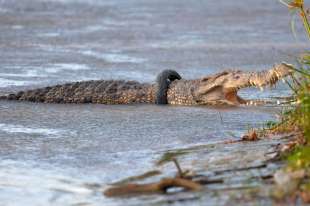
<point>159,187</point>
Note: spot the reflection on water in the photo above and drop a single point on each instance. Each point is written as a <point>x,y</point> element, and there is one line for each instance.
<point>53,154</point>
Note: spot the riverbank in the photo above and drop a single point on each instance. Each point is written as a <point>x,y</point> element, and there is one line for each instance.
<point>234,173</point>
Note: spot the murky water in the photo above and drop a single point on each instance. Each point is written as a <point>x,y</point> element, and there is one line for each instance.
<point>57,154</point>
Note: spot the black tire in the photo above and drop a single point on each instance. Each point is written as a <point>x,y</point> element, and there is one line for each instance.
<point>163,81</point>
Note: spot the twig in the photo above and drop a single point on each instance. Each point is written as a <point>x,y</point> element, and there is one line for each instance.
<point>295,80</point>
<point>136,178</point>
<point>240,169</point>
<point>222,122</point>
<point>178,167</point>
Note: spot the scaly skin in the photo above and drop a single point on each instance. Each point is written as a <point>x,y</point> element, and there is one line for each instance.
<point>100,92</point>
<point>216,89</point>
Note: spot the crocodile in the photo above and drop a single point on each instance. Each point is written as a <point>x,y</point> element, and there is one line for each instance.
<point>169,88</point>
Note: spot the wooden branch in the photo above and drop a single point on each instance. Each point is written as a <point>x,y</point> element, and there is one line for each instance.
<point>158,187</point>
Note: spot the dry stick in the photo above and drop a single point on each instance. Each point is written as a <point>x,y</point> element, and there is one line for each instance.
<point>222,122</point>
<point>178,167</point>
<point>158,187</point>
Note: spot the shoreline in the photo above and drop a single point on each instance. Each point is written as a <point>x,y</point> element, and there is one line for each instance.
<point>238,172</point>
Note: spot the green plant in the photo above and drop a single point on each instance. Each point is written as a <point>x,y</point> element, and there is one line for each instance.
<point>297,6</point>
<point>300,158</point>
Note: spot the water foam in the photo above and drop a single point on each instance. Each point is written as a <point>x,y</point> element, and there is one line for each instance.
<point>28,73</point>
<point>55,68</point>
<point>8,82</point>
<point>54,133</point>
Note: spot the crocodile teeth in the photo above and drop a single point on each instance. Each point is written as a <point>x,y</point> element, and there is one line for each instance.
<point>261,89</point>
<point>283,80</point>
<point>278,75</point>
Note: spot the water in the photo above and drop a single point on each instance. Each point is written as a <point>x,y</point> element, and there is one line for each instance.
<point>57,154</point>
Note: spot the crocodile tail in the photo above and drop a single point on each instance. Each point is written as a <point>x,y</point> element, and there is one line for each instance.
<point>12,96</point>
<point>3,97</point>
<point>93,91</point>
<point>163,81</point>
<point>36,95</point>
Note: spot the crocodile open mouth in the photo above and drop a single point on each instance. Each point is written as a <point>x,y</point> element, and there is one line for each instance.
<point>234,97</point>
<point>260,80</point>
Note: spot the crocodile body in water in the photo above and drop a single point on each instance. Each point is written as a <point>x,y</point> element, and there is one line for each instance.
<point>169,88</point>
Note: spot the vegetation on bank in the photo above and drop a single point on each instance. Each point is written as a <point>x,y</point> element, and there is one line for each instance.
<point>297,119</point>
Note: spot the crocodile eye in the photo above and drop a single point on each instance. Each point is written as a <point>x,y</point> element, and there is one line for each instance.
<point>237,77</point>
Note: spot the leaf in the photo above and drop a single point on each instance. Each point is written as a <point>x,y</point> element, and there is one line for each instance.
<point>285,2</point>
<point>293,18</point>
<point>293,4</point>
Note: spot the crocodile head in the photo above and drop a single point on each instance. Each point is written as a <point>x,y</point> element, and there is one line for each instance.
<point>223,88</point>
